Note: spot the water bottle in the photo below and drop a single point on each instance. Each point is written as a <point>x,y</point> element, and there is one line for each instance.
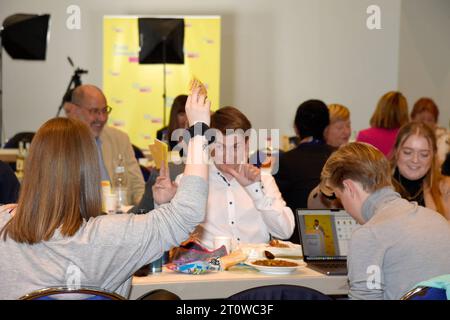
<point>120,182</point>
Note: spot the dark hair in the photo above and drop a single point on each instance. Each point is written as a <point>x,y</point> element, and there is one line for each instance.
<point>446,166</point>
<point>178,106</point>
<point>229,118</point>
<point>311,119</point>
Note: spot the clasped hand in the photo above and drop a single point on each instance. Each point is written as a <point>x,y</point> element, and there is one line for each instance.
<point>246,174</point>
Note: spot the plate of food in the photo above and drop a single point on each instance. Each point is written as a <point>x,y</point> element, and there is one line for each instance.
<point>276,266</point>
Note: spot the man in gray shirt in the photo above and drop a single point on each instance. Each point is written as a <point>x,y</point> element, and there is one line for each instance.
<point>399,243</point>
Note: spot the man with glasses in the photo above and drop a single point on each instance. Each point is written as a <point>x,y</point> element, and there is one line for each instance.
<point>89,105</point>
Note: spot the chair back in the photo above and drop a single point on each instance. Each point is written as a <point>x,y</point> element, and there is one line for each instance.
<point>280,292</point>
<point>65,293</point>
<point>437,288</point>
<point>425,293</point>
<point>13,143</point>
<point>159,294</point>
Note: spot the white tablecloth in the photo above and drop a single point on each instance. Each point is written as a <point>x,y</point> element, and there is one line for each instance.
<point>217,285</point>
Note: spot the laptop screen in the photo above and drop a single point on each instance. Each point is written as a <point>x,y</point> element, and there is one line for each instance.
<point>325,234</point>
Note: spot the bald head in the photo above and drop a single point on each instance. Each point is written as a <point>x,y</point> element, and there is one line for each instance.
<point>84,93</point>
<point>89,105</point>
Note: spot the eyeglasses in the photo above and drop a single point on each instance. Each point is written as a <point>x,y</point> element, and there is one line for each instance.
<point>98,112</point>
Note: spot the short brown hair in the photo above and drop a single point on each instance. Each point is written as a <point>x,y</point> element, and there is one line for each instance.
<point>391,111</point>
<point>357,161</point>
<point>338,112</point>
<point>229,118</point>
<point>61,185</point>
<point>425,104</point>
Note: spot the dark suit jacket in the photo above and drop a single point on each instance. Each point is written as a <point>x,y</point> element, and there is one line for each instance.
<point>147,202</point>
<point>9,185</point>
<point>299,173</point>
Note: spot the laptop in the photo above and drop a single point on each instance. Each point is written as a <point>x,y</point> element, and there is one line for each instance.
<point>325,237</point>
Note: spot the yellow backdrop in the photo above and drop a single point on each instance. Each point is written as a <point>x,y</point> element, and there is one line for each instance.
<point>135,91</point>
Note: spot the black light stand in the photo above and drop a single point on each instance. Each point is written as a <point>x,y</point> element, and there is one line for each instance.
<point>161,42</point>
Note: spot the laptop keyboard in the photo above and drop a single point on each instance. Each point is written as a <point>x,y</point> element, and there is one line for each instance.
<point>330,264</point>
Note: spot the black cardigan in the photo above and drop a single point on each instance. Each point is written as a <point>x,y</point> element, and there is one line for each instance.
<point>299,173</point>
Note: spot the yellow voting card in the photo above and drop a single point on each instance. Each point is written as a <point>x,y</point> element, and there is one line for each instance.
<point>159,151</point>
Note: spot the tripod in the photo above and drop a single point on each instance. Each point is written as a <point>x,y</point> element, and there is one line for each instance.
<point>75,81</point>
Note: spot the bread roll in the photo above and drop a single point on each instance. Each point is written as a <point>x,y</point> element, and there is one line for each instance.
<point>232,259</point>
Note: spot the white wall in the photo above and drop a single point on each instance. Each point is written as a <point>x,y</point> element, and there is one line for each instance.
<point>275,54</point>
<point>325,51</point>
<point>425,53</point>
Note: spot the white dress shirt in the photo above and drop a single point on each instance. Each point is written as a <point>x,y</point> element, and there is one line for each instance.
<point>245,214</point>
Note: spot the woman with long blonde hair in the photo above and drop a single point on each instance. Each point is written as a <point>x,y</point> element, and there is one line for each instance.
<point>416,173</point>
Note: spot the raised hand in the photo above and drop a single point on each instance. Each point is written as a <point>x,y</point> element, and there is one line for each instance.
<point>198,108</point>
<point>246,175</point>
<point>164,189</point>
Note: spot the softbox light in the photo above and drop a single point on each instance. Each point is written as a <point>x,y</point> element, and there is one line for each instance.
<point>161,41</point>
<point>24,36</point>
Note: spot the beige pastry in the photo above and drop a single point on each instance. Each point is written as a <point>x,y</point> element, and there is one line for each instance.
<point>195,83</point>
<point>232,259</point>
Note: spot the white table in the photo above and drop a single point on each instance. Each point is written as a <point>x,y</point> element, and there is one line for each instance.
<point>217,285</point>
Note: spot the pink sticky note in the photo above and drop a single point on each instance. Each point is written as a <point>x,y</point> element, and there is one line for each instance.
<point>145,89</point>
<point>193,55</point>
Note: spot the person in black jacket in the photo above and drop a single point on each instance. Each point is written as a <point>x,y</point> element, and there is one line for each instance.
<point>178,120</point>
<point>446,166</point>
<point>9,185</point>
<point>299,169</point>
